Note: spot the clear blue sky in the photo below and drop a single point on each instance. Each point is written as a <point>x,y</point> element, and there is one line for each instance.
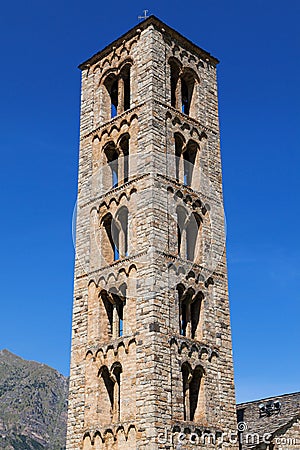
<point>258,45</point>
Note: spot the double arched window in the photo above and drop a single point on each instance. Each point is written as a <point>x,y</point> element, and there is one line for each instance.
<point>186,160</point>
<point>114,238</point>
<point>117,85</point>
<point>190,307</point>
<point>113,317</point>
<point>110,392</point>
<point>192,381</point>
<point>189,227</point>
<point>117,158</point>
<point>183,86</point>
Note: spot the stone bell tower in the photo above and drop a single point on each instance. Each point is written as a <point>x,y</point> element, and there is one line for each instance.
<point>151,364</point>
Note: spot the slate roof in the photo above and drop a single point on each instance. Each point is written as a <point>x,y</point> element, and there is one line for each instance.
<point>249,413</point>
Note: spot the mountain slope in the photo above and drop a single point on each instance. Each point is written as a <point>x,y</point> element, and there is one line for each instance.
<point>33,405</point>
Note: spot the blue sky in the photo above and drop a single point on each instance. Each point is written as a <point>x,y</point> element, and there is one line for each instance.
<point>258,45</point>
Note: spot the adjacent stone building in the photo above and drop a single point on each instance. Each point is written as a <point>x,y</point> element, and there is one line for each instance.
<point>151,364</point>
<point>270,423</point>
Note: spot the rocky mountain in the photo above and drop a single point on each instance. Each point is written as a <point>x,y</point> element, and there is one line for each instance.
<point>33,405</point>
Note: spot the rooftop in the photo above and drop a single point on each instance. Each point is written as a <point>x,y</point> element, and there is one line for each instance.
<point>157,23</point>
<point>266,416</point>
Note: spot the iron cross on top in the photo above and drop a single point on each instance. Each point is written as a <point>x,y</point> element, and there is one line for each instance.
<point>145,16</point>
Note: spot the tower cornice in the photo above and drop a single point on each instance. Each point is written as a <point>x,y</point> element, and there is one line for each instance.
<point>136,30</point>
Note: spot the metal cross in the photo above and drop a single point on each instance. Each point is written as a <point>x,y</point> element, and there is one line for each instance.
<point>145,16</point>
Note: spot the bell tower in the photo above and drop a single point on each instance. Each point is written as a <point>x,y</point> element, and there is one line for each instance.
<point>151,364</point>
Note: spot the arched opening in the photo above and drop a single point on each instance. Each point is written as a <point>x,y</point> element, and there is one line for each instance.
<point>119,90</point>
<point>181,232</point>
<point>112,316</point>
<point>111,84</point>
<point>185,300</point>
<point>106,394</point>
<point>112,156</point>
<point>110,393</point>
<point>175,71</point>
<point>179,143</point>
<point>122,219</point>
<point>184,319</point>
<point>107,320</point>
<point>124,147</point>
<point>194,389</point>
<point>125,80</point>
<point>191,384</point>
<point>114,99</point>
<point>185,102</point>
<point>187,92</point>
<point>192,237</point>
<point>110,239</point>
<point>118,312</point>
<point>182,84</point>
<point>189,157</point>
<point>190,312</point>
<point>117,374</point>
<point>186,160</point>
<point>196,315</point>
<point>186,377</point>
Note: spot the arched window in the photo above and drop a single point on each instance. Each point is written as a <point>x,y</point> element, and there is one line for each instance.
<point>194,389</point>
<point>182,84</point>
<point>107,325</point>
<point>185,300</point>
<point>184,318</point>
<point>112,317</point>
<point>175,72</point>
<point>114,99</point>
<point>196,307</point>
<point>119,90</point>
<point>190,307</point>
<point>179,143</point>
<point>110,238</point>
<point>114,237</point>
<point>110,392</point>
<point>187,92</point>
<point>191,383</point>
<point>188,235</point>
<point>187,164</point>
<point>117,374</point>
<point>189,158</point>
<point>125,80</point>
<point>186,378</point>
<point>111,84</point>
<point>118,316</point>
<point>124,148</point>
<point>106,393</point>
<point>193,237</point>
<point>117,159</point>
<point>185,103</point>
<point>122,221</point>
<point>182,215</point>
<point>112,156</point>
